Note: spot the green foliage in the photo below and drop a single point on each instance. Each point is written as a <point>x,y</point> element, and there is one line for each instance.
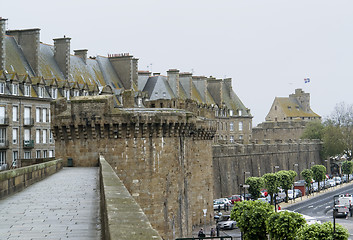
<point>313,130</point>
<point>347,167</point>
<point>251,218</point>
<point>285,181</point>
<point>333,141</point>
<point>293,174</point>
<point>255,185</point>
<point>307,174</point>
<point>322,232</point>
<point>284,225</point>
<point>272,183</point>
<point>319,172</point>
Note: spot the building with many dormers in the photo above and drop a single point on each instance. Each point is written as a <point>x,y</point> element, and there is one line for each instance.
<point>32,74</point>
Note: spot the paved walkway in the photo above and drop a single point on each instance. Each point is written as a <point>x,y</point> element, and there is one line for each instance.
<point>62,206</point>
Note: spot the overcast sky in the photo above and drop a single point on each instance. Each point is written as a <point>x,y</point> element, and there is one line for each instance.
<point>267,47</point>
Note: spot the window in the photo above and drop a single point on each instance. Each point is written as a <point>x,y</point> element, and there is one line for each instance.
<point>37,135</point>
<point>27,116</point>
<point>51,153</point>
<point>240,137</point>
<point>230,112</point>
<point>164,94</point>
<point>40,92</point>
<point>2,87</point>
<point>27,155</point>
<point>37,114</point>
<point>27,90</point>
<point>231,139</point>
<point>240,126</point>
<point>2,136</point>
<point>2,158</point>
<point>240,112</point>
<point>14,89</point>
<point>231,127</point>
<point>38,154</point>
<point>44,115</point>
<point>14,158</point>
<point>54,93</point>
<point>44,133</point>
<point>76,93</point>
<point>27,136</point>
<point>216,113</point>
<point>15,113</point>
<point>67,94</point>
<point>2,114</point>
<point>14,135</point>
<point>51,139</point>
<point>45,153</point>
<point>85,93</point>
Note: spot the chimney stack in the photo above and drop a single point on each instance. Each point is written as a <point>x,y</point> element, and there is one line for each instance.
<point>186,82</point>
<point>200,83</point>
<point>214,86</point>
<point>62,55</point>
<point>82,54</point>
<point>29,41</point>
<point>228,84</point>
<point>173,80</point>
<point>126,67</point>
<point>2,43</point>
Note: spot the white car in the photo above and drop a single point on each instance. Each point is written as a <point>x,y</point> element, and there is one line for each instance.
<point>225,222</point>
<point>331,182</point>
<point>219,204</point>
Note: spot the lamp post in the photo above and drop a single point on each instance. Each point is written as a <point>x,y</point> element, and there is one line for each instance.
<point>244,185</point>
<point>296,165</point>
<point>312,184</point>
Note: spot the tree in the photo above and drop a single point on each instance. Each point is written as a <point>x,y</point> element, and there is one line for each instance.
<point>285,181</point>
<point>251,218</point>
<point>271,181</point>
<point>319,173</point>
<point>284,225</point>
<point>255,185</point>
<point>307,174</point>
<point>333,143</point>
<point>347,168</point>
<point>322,231</point>
<point>313,130</point>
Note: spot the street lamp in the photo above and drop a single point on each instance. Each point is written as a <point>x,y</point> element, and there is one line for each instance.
<point>244,185</point>
<point>296,165</point>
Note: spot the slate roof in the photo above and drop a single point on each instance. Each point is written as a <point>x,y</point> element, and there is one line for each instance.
<point>293,109</point>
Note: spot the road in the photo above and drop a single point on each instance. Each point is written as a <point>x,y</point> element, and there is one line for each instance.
<point>320,207</point>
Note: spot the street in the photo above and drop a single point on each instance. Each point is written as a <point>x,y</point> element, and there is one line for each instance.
<point>320,207</point>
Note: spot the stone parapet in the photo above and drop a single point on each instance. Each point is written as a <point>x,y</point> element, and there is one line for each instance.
<point>122,217</point>
<point>15,180</point>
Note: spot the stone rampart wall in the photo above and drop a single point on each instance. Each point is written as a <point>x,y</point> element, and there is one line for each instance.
<point>15,180</point>
<point>231,161</point>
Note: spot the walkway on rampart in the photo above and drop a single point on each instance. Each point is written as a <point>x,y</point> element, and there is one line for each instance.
<point>62,206</point>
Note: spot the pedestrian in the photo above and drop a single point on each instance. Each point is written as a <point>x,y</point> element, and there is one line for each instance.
<point>201,233</point>
<point>279,207</point>
<point>213,232</point>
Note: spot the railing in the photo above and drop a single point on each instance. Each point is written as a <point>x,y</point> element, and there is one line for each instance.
<point>200,238</point>
<point>31,161</point>
<point>4,121</point>
<point>28,143</point>
<point>4,144</point>
<point>28,122</point>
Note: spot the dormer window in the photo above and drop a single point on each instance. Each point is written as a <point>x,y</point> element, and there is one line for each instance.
<point>2,87</point>
<point>230,112</point>
<point>40,92</point>
<point>14,89</point>
<point>85,93</point>
<point>67,94</point>
<point>240,112</point>
<point>54,93</point>
<point>27,90</point>
<point>76,93</point>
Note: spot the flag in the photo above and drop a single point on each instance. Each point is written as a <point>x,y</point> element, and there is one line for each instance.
<point>306,80</point>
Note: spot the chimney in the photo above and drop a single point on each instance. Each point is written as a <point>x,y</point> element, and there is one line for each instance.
<point>214,86</point>
<point>126,68</point>
<point>2,43</point>
<point>29,41</point>
<point>302,98</point>
<point>200,83</point>
<point>173,80</point>
<point>82,54</point>
<point>62,55</point>
<point>186,81</point>
<point>228,85</point>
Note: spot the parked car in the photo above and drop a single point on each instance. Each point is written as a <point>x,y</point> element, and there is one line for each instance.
<point>219,204</point>
<point>264,192</point>
<point>235,198</point>
<point>338,180</point>
<point>298,193</point>
<point>225,222</point>
<point>264,199</point>
<point>331,182</point>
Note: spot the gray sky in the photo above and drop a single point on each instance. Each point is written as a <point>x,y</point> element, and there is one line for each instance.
<point>267,47</point>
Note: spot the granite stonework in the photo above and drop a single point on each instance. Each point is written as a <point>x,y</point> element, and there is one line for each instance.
<point>163,157</point>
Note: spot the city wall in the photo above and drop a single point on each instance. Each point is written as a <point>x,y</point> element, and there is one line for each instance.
<point>230,162</point>
<point>164,158</point>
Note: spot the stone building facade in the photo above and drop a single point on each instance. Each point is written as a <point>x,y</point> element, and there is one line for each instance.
<point>163,157</point>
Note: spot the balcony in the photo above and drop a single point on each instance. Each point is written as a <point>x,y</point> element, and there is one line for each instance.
<point>28,143</point>
<point>4,144</point>
<point>4,121</point>
<point>27,122</point>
